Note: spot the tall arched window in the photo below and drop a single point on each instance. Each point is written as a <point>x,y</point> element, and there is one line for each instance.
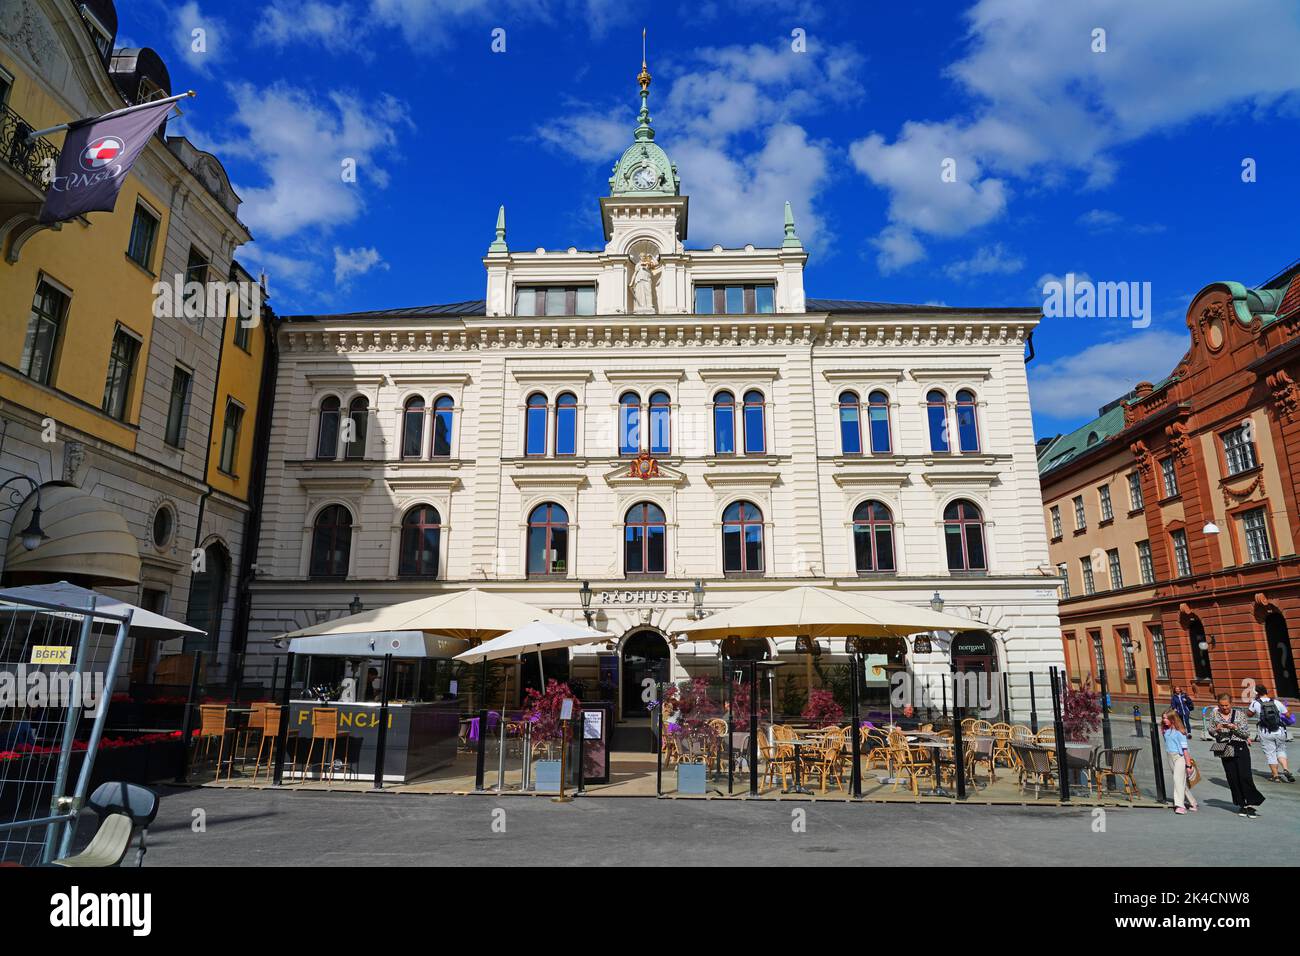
<point>968,432</point>
<point>566,424</point>
<point>629,423</point>
<point>548,540</point>
<point>645,534</point>
<point>850,424</point>
<point>873,537</point>
<point>724,424</point>
<point>742,539</point>
<point>443,421</point>
<point>331,542</point>
<point>963,534</point>
<point>535,425</point>
<point>936,409</point>
<point>327,431</point>
<point>878,420</point>
<point>208,598</point>
<point>421,537</point>
<point>359,415</point>
<point>413,427</point>
<point>660,423</point>
<point>755,433</point>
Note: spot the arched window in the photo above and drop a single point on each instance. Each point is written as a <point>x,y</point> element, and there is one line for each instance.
<point>660,423</point>
<point>724,424</point>
<point>548,540</point>
<point>873,537</point>
<point>421,536</point>
<point>878,419</point>
<point>443,416</point>
<point>566,424</point>
<point>629,423</point>
<point>742,539</point>
<point>331,542</point>
<point>755,434</point>
<point>208,598</point>
<point>413,427</point>
<point>535,425</point>
<point>645,534</point>
<point>359,415</point>
<point>327,432</point>
<point>936,408</point>
<point>963,534</point>
<point>850,424</point>
<point>968,432</point>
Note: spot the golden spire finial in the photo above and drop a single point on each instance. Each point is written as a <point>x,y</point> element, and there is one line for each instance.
<point>644,76</point>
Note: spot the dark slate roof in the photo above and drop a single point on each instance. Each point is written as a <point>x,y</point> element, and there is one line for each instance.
<point>858,306</point>
<point>833,306</point>
<point>468,307</point>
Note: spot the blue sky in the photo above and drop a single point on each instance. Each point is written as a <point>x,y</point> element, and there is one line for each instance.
<point>1121,165</point>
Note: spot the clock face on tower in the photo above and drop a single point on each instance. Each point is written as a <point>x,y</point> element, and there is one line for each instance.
<point>645,177</point>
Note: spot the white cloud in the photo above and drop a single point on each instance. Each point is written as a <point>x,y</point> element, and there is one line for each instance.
<point>313,21</point>
<point>896,249</point>
<point>1050,111</point>
<point>1074,386</point>
<point>350,263</point>
<point>300,141</point>
<point>1100,220</point>
<point>198,36</point>
<point>987,260</point>
<point>732,119</point>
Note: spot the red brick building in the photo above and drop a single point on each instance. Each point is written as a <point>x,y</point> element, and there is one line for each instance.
<point>1198,576</point>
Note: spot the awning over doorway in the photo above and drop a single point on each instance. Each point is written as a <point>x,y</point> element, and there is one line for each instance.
<point>87,541</point>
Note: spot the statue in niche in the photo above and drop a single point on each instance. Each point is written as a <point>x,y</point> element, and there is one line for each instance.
<point>642,284</point>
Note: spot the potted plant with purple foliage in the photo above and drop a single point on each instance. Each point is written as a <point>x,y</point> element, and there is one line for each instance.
<point>1080,713</point>
<point>542,711</point>
<point>688,710</point>
<point>822,709</point>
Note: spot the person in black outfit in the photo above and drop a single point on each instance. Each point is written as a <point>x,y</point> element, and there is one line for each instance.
<point>1230,729</point>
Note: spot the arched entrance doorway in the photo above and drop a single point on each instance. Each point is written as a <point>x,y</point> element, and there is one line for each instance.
<point>1281,655</point>
<point>645,656</point>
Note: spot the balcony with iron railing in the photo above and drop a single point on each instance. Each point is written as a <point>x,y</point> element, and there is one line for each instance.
<point>23,162</point>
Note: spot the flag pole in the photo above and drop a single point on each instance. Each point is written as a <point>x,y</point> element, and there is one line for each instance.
<point>95,119</point>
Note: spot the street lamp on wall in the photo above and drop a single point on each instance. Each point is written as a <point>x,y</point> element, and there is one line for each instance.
<point>355,605</point>
<point>32,535</point>
<point>585,595</point>
<point>936,603</point>
<point>698,593</point>
<point>1210,528</point>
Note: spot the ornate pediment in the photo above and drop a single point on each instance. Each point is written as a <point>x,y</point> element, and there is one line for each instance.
<point>644,470</point>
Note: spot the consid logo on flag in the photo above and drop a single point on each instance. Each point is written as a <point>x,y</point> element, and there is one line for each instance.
<point>97,154</point>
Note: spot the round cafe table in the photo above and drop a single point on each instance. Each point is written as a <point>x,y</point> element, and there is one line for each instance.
<point>934,746</point>
<point>797,744</point>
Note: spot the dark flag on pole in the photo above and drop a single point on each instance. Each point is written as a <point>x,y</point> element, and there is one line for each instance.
<point>97,154</point>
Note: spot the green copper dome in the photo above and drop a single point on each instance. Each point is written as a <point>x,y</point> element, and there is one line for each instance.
<point>644,169</point>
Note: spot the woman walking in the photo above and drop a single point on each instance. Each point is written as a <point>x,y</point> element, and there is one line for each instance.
<point>1175,737</point>
<point>1231,732</point>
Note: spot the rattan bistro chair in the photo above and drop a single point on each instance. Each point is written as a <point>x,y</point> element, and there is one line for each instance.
<point>1118,764</point>
<point>1035,768</point>
<point>325,728</point>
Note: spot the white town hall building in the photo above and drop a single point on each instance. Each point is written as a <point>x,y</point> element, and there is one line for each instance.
<point>663,424</point>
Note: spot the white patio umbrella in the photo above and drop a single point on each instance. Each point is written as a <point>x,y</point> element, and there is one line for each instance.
<point>62,594</point>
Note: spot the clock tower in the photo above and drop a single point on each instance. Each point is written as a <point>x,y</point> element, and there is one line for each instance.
<point>644,216</point>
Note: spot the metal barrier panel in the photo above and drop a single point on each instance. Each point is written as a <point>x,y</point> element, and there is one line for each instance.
<point>695,740</point>
<point>57,668</point>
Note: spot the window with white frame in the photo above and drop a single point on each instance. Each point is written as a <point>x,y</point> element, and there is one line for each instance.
<point>1107,510</point>
<point>1182,557</point>
<point>1089,584</point>
<point>1063,570</point>
<point>1135,502</point>
<point>1159,653</point>
<point>1080,516</point>
<point>1238,450</point>
<point>1145,565</point>
<point>1116,572</point>
<point>1056,521</point>
<point>1254,527</point>
<point>1169,476</point>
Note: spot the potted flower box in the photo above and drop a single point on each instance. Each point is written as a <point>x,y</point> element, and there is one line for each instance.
<point>542,709</point>
<point>692,778</point>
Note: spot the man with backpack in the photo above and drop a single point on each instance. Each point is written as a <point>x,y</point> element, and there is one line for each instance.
<point>1273,722</point>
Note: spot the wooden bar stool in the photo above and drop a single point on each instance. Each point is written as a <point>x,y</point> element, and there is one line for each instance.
<point>325,728</point>
<point>270,734</point>
<point>212,725</point>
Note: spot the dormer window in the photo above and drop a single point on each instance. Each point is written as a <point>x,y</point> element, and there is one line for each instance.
<point>555,300</point>
<point>748,299</point>
<point>99,34</point>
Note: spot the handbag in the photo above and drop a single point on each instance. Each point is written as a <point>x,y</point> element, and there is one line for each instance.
<point>1193,774</point>
<point>1220,748</point>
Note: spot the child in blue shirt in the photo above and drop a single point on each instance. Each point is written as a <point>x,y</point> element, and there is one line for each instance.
<point>1175,738</point>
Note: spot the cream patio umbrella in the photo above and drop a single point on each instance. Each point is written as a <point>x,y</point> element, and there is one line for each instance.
<point>473,615</point>
<point>823,612</point>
